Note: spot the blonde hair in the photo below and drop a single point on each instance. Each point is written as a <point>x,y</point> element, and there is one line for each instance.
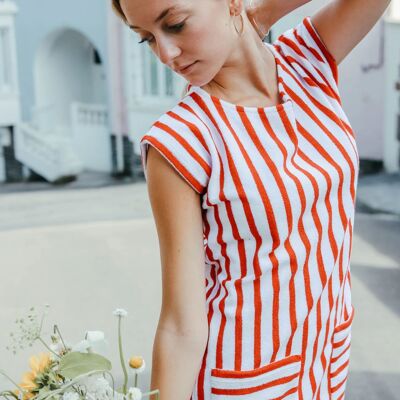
<point>116,5</point>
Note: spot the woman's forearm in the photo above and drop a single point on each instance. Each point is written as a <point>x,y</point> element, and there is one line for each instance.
<point>265,13</point>
<point>175,364</point>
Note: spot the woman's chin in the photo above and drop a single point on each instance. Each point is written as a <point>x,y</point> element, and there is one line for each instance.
<point>199,81</point>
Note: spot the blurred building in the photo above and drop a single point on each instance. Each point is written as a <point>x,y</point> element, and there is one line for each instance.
<point>85,86</point>
<point>391,118</point>
<point>89,92</point>
<point>10,167</point>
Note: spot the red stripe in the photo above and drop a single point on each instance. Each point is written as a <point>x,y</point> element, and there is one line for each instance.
<point>326,87</point>
<point>314,52</point>
<point>184,143</point>
<point>241,248</point>
<point>249,390</point>
<point>313,81</point>
<point>193,128</point>
<point>175,162</point>
<point>328,113</point>
<point>257,371</point>
<point>314,34</point>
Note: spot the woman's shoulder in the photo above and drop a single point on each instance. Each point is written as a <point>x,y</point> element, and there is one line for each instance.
<point>182,116</point>
<point>180,136</point>
<point>302,53</point>
<point>302,45</point>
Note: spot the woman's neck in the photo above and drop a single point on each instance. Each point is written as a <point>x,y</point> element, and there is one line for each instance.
<point>249,76</point>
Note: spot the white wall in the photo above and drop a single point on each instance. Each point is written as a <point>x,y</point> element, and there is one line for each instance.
<point>392,96</point>
<point>37,19</point>
<point>9,96</point>
<point>65,72</point>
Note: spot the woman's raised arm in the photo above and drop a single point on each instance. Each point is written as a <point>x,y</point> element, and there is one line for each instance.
<point>342,24</point>
<point>182,331</point>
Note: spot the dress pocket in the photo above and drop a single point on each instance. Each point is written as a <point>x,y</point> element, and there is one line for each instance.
<point>340,358</point>
<point>278,380</point>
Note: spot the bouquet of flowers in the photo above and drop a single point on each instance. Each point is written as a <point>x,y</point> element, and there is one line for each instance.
<point>71,372</point>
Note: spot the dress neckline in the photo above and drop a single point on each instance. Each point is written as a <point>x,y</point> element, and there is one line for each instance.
<point>286,101</point>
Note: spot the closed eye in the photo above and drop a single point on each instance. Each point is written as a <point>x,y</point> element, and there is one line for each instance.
<point>175,28</point>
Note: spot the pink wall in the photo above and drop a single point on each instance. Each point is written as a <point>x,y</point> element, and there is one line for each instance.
<point>118,113</point>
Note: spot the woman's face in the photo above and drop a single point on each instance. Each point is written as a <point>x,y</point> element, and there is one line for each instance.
<point>192,31</point>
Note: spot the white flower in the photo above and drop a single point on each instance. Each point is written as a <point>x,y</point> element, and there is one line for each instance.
<point>70,396</point>
<point>98,388</point>
<point>82,346</point>
<point>57,347</point>
<point>97,342</point>
<point>140,369</point>
<point>120,312</point>
<point>94,341</point>
<point>134,393</point>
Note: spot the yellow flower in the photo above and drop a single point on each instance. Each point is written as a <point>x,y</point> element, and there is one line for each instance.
<point>38,365</point>
<point>136,362</point>
<point>26,395</point>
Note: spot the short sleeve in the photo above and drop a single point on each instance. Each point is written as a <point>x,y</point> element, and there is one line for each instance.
<point>306,47</point>
<point>179,137</point>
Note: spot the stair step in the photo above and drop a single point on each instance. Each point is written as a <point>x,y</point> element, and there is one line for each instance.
<point>50,156</point>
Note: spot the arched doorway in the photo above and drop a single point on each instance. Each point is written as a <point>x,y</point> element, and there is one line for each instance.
<point>71,95</point>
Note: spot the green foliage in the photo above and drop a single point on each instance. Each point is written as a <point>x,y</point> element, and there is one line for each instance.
<point>74,364</point>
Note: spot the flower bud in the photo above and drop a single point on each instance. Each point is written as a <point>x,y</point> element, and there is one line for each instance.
<point>136,362</point>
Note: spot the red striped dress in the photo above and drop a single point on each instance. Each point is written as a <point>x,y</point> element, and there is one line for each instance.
<point>278,187</point>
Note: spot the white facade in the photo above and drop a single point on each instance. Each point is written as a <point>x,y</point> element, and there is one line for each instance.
<point>9,96</point>
<point>88,86</point>
<point>65,76</point>
<point>391,143</point>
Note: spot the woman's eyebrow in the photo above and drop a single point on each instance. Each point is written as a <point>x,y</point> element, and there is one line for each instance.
<point>160,17</point>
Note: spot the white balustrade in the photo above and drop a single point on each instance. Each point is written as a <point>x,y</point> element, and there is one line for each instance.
<point>88,114</point>
<point>51,157</point>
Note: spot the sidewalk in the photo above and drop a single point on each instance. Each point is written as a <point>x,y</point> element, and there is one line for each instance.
<point>379,193</point>
<point>376,193</point>
<point>85,180</point>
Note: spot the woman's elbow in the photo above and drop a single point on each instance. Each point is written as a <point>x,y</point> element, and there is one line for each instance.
<point>193,328</point>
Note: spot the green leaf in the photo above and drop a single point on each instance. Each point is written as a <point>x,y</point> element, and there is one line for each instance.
<point>75,363</point>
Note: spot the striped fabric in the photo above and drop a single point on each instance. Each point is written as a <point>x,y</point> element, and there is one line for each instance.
<point>278,187</point>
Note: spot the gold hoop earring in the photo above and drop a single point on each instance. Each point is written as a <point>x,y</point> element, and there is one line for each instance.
<point>242,29</point>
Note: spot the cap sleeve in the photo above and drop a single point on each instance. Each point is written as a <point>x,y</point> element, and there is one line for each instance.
<point>304,45</point>
<point>180,139</point>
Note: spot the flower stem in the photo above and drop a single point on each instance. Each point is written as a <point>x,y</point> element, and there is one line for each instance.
<point>11,380</point>
<point>121,356</point>
<point>47,347</point>
<point>59,334</point>
<point>156,392</point>
<point>7,393</point>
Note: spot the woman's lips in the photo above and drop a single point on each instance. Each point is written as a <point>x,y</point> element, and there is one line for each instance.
<point>187,69</point>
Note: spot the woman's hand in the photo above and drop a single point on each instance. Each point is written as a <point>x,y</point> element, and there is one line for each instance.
<point>264,13</point>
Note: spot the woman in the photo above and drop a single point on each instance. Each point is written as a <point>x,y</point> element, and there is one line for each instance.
<point>252,180</point>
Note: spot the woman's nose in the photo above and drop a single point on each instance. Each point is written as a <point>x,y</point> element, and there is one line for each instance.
<point>167,50</point>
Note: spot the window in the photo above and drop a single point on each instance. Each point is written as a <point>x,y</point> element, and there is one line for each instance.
<point>157,78</point>
<point>395,9</point>
<point>5,60</point>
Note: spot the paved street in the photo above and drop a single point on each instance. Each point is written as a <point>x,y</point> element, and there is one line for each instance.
<point>89,251</point>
